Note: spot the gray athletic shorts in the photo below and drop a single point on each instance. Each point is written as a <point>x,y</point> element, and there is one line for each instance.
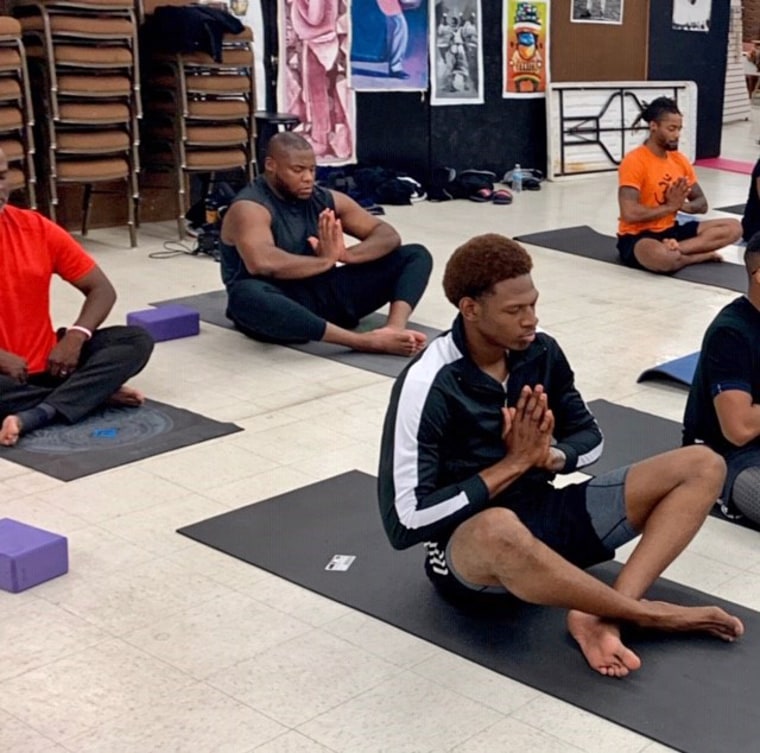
<point>593,509</point>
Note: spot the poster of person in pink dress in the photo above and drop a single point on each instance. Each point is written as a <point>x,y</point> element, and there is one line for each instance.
<point>313,76</point>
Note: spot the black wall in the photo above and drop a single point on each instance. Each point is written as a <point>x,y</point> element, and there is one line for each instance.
<point>693,56</point>
<point>405,132</point>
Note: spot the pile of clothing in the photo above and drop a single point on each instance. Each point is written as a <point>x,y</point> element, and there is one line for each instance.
<point>372,186</point>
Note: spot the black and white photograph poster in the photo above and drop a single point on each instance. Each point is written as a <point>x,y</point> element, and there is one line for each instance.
<point>596,11</point>
<point>456,53</point>
<point>692,15</point>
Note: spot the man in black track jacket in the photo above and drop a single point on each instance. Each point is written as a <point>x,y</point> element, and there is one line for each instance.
<point>478,425</point>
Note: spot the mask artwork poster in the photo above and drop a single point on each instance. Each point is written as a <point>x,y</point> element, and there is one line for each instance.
<point>526,48</point>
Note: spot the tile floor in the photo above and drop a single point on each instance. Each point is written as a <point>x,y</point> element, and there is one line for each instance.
<point>155,643</point>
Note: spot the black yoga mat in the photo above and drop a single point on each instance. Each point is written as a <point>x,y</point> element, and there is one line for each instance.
<point>631,435</point>
<point>582,240</point>
<point>211,307</point>
<point>679,371</point>
<point>112,437</point>
<point>733,209</point>
<point>693,693</point>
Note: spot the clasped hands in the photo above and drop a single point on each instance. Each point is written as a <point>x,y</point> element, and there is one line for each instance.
<point>528,429</point>
<point>329,242</point>
<point>677,194</point>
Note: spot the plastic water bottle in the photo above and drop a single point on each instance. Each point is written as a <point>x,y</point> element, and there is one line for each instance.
<point>517,179</point>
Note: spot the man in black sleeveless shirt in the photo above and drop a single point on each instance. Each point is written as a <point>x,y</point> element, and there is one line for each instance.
<point>290,276</point>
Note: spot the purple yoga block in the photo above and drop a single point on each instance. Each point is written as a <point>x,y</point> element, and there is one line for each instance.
<point>29,555</point>
<point>167,322</point>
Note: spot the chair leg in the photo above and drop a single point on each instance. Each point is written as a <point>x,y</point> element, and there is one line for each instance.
<point>86,202</point>
<point>131,201</point>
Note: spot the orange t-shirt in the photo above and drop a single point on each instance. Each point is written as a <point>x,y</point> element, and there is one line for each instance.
<point>32,250</point>
<point>651,176</point>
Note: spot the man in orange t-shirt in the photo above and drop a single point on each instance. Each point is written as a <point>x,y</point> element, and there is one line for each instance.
<point>656,182</point>
<point>47,376</point>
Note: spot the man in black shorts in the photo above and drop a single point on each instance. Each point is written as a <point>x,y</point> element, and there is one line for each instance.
<point>477,427</point>
<point>656,182</point>
<point>723,409</point>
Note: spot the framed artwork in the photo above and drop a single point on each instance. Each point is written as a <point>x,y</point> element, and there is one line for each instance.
<point>525,27</point>
<point>596,11</point>
<point>389,45</point>
<point>456,55</point>
<point>313,76</point>
<point>692,15</point>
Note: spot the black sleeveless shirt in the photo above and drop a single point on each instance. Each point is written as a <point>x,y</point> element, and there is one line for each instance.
<point>293,221</point>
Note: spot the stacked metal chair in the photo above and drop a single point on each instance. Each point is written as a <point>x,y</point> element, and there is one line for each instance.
<point>84,62</point>
<point>199,114</point>
<point>16,118</point>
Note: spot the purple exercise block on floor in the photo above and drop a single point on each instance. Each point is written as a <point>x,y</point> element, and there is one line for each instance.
<point>29,555</point>
<point>167,322</point>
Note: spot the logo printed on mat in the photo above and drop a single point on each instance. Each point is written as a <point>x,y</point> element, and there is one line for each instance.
<point>340,562</point>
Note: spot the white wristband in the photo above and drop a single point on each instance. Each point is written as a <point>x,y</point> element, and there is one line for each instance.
<point>80,328</point>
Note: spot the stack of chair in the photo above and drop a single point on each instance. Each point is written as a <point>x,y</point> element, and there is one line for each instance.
<point>84,62</point>
<point>199,114</point>
<point>16,118</point>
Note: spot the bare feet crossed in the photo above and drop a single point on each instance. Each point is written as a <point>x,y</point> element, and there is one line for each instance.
<point>599,639</point>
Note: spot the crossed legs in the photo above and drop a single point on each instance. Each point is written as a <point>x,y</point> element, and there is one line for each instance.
<point>670,254</point>
<point>667,499</point>
<point>108,360</point>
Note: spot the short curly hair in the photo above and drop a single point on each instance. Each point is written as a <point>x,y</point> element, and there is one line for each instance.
<point>482,262</point>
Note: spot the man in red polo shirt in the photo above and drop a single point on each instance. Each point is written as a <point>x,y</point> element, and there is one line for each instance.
<point>47,376</point>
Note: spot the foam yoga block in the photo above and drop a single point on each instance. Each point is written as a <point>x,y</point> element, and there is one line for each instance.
<point>29,555</point>
<point>167,322</point>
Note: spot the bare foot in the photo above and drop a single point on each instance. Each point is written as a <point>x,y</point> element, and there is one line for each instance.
<point>127,396</point>
<point>10,431</point>
<point>671,244</point>
<point>599,640</point>
<point>400,342</point>
<point>674,618</point>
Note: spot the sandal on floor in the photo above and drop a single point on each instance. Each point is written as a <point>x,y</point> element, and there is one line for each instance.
<point>501,196</point>
<point>482,195</point>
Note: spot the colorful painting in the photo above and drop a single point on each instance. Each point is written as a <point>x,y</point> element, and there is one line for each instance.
<point>692,15</point>
<point>389,45</point>
<point>456,55</point>
<point>313,76</point>
<point>526,48</point>
<point>596,11</point>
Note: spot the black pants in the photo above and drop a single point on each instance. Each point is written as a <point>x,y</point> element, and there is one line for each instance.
<point>108,360</point>
<point>290,311</point>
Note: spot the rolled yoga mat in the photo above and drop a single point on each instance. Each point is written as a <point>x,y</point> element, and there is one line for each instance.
<point>693,693</point>
<point>582,240</point>
<point>733,209</point>
<point>679,371</point>
<point>212,306</point>
<point>110,437</point>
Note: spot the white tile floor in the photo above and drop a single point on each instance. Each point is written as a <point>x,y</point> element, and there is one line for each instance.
<point>155,643</point>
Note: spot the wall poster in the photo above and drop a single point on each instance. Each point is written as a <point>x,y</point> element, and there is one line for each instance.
<point>313,76</point>
<point>526,48</point>
<point>692,15</point>
<point>389,45</point>
<point>456,55</point>
<point>597,11</point>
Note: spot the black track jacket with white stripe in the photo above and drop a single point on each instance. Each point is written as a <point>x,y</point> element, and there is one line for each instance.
<point>444,426</point>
